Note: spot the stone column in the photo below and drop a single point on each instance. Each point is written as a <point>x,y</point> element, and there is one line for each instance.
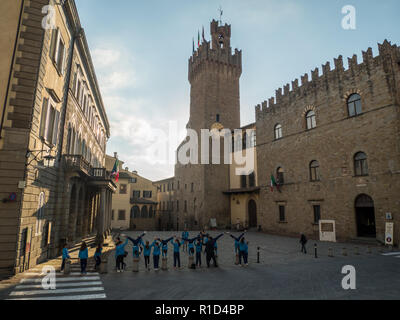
<point>101,216</point>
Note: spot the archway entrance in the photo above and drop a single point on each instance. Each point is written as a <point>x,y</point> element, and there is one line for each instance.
<point>252,214</point>
<point>135,214</point>
<point>365,216</point>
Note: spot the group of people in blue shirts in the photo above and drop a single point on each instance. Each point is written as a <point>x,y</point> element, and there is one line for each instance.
<point>83,256</point>
<point>194,247</point>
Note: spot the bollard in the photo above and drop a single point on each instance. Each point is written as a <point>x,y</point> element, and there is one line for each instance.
<point>330,252</point>
<point>315,251</point>
<point>344,251</point>
<point>258,254</point>
<point>369,249</point>
<point>356,251</point>
<point>103,266</point>
<point>135,267</point>
<point>191,262</point>
<point>237,259</point>
<point>164,264</point>
<point>67,267</point>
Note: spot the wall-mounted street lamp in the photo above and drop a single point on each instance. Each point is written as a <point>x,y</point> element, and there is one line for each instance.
<point>49,158</point>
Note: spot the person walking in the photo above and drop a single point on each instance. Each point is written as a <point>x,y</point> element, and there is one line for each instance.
<point>83,257</point>
<point>303,242</point>
<point>177,257</point>
<point>243,252</point>
<point>97,256</point>
<point>210,250</point>
<point>120,254</point>
<point>65,256</point>
<point>156,254</point>
<point>199,249</point>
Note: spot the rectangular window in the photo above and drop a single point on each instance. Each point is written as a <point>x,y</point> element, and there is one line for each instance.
<point>133,180</point>
<point>282,217</point>
<point>59,53</point>
<point>112,215</point>
<point>49,122</point>
<point>122,189</point>
<point>192,187</point>
<point>136,194</point>
<point>317,213</point>
<point>243,181</point>
<point>147,194</point>
<point>177,205</point>
<point>121,215</point>
<point>185,208</point>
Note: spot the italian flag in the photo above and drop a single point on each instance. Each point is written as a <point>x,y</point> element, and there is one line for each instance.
<point>115,171</point>
<point>274,184</point>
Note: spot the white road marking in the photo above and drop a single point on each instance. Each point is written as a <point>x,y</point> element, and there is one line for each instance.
<point>391,254</point>
<point>80,297</point>
<point>59,279</point>
<point>37,274</point>
<point>56,291</point>
<point>61,285</point>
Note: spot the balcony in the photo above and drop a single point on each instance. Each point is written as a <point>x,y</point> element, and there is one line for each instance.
<point>77,163</point>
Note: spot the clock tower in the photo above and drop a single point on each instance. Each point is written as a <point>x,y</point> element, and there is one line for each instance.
<point>214,74</point>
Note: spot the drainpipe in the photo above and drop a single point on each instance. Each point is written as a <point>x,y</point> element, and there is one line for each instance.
<point>11,68</point>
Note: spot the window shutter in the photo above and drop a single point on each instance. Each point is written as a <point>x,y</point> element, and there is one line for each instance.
<point>53,44</point>
<point>55,128</point>
<point>43,118</point>
<point>63,60</point>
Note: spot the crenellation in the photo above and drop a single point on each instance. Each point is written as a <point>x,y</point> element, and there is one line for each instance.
<point>326,68</point>
<point>353,62</point>
<point>286,89</point>
<point>315,74</point>
<point>339,64</point>
<point>304,79</point>
<point>295,84</point>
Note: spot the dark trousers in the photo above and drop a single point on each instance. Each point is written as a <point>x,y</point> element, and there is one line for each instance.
<point>120,262</point>
<point>156,260</point>
<point>198,259</point>
<point>98,262</point>
<point>244,255</point>
<point>177,259</point>
<point>147,261</point>
<point>83,265</point>
<point>63,264</point>
<point>209,257</point>
<point>303,248</point>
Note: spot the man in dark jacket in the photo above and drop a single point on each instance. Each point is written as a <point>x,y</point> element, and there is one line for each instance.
<point>303,241</point>
<point>210,250</point>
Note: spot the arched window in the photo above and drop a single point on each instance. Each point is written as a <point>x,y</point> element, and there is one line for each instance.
<point>144,212</point>
<point>314,171</point>
<point>135,212</point>
<point>280,173</point>
<point>311,120</point>
<point>354,105</point>
<point>360,164</point>
<point>278,132</point>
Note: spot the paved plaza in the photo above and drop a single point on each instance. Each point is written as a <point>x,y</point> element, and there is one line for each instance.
<point>283,273</point>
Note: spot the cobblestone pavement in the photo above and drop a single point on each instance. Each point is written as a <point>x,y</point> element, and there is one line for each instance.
<point>283,273</point>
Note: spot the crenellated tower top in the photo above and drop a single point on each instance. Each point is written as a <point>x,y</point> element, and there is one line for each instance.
<point>216,53</point>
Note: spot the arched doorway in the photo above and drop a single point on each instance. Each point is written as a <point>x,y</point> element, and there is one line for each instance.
<point>252,209</point>
<point>365,216</point>
<point>72,213</point>
<point>135,214</point>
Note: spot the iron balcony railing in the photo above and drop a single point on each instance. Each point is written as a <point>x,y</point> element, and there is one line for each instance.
<point>79,163</point>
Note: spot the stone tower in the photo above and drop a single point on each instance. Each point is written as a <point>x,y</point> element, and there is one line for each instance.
<point>214,74</point>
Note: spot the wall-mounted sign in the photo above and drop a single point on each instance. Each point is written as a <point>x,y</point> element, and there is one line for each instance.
<point>13,197</point>
<point>327,230</point>
<point>389,233</point>
<point>389,216</point>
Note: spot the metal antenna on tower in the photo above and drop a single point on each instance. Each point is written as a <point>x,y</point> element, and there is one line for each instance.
<point>221,12</point>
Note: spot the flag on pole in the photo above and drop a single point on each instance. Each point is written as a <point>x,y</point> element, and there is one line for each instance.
<point>204,39</point>
<point>274,184</point>
<point>115,171</point>
<point>193,44</point>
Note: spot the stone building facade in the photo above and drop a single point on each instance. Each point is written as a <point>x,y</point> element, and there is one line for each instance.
<point>214,74</point>
<point>53,135</point>
<point>334,139</point>
<point>134,204</point>
<point>168,205</point>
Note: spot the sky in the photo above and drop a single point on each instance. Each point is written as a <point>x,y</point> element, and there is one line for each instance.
<point>140,50</point>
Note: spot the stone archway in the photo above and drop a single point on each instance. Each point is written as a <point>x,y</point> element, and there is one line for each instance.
<point>365,216</point>
<point>252,212</point>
